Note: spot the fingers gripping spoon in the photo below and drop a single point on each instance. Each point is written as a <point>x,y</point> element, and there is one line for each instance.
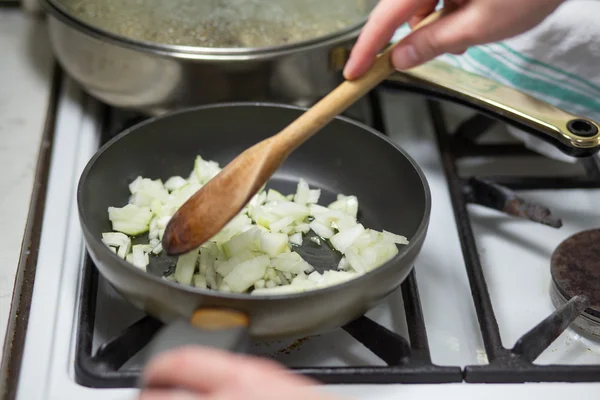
<point>205,213</point>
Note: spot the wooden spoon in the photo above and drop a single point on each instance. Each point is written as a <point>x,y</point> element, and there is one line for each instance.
<point>224,196</point>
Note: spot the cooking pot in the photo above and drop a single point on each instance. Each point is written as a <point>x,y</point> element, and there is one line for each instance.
<point>156,77</point>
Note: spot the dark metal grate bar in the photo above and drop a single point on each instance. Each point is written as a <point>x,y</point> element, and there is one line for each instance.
<point>481,296</point>
<point>533,343</point>
<point>408,361</point>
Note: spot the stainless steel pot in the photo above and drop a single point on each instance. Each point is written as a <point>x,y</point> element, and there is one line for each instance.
<point>157,78</point>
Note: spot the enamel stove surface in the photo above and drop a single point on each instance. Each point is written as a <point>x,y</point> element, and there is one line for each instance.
<point>514,254</point>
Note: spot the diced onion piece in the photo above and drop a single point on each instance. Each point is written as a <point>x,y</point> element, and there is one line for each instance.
<point>277,226</point>
<point>270,284</point>
<point>234,227</point>
<point>299,278</point>
<point>302,227</point>
<point>224,287</point>
<point>144,191</point>
<point>262,217</point>
<point>395,238</point>
<point>247,240</point>
<point>344,239</point>
<point>324,231</point>
<point>356,261</point>
<point>113,249</point>
<point>157,249</point>
<point>315,277</point>
<point>313,196</point>
<point>181,195</point>
<point>290,262</point>
<point>130,219</point>
<point>185,267</point>
<point>274,195</point>
<point>258,199</point>
<point>316,209</point>
<point>343,264</point>
<point>346,222</point>
<point>174,183</point>
<point>116,239</point>
<point>244,275</point>
<point>211,277</point>
<point>139,257</point>
<point>200,281</point>
<point>273,243</point>
<point>124,250</point>
<point>259,284</point>
<point>283,280</point>
<point>285,209</point>
<point>287,230</point>
<point>296,239</point>
<point>223,268</point>
<point>205,170</point>
<point>208,255</point>
<point>302,192</point>
<point>347,204</point>
<point>331,216</point>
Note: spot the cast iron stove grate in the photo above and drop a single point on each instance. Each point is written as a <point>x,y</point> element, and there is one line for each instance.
<point>514,365</point>
<point>408,361</point>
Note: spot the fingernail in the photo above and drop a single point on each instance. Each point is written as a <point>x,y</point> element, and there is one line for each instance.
<point>348,68</point>
<point>405,56</point>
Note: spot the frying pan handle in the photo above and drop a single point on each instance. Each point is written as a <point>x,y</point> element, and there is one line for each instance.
<point>216,328</point>
<point>572,134</point>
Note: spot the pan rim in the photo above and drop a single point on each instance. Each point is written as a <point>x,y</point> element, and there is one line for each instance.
<point>413,242</point>
<point>58,11</point>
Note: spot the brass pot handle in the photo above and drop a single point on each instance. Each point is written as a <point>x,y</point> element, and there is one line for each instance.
<point>572,134</point>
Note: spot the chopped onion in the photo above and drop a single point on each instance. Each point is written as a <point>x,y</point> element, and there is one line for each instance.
<point>344,239</point>
<point>296,239</point>
<point>254,252</point>
<point>130,219</point>
<point>320,229</point>
<point>273,243</point>
<point>245,274</point>
<point>184,269</point>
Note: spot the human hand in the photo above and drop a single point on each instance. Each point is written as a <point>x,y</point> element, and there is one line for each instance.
<point>200,373</point>
<point>470,23</point>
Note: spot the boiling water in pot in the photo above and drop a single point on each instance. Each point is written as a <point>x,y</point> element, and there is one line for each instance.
<point>220,23</point>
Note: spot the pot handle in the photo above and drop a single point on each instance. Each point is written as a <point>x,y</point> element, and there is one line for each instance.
<point>572,134</point>
<point>210,327</point>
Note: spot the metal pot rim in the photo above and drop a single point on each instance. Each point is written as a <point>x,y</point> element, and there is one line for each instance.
<point>415,241</point>
<point>203,53</point>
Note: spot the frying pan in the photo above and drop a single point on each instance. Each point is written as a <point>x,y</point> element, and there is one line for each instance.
<point>345,157</point>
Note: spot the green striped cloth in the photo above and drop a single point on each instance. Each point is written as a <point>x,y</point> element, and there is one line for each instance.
<point>558,61</point>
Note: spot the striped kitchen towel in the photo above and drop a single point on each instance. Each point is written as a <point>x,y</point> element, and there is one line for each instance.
<point>558,62</point>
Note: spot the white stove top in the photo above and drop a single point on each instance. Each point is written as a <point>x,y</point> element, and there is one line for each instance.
<point>515,255</point>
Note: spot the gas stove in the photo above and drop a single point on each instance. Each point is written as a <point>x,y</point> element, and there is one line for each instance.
<point>490,308</point>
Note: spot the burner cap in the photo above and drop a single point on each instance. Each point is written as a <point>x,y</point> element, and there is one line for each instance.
<point>575,269</point>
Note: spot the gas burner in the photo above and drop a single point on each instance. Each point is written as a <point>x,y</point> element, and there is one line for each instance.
<point>575,269</point>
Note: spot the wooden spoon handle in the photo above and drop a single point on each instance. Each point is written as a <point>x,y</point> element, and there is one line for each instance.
<point>342,97</point>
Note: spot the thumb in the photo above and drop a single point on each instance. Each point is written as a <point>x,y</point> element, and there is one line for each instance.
<point>452,33</point>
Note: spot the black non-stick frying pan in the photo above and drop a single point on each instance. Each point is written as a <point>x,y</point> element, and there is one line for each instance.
<point>346,157</point>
